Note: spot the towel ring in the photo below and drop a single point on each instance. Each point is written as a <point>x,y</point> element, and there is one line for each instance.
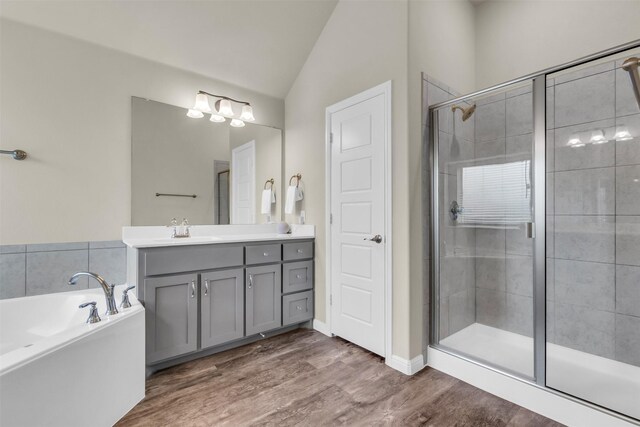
<point>298,177</point>
<point>269,181</point>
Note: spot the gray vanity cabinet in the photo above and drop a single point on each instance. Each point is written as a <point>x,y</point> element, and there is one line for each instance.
<point>221,307</point>
<point>263,308</point>
<point>171,306</point>
<point>201,299</point>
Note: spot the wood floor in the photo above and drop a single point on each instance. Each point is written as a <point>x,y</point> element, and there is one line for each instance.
<point>305,378</point>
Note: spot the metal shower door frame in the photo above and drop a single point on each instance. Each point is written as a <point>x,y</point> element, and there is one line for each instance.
<point>538,80</point>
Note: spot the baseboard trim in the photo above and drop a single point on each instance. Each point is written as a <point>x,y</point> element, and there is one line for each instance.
<point>407,367</point>
<point>537,399</point>
<point>321,327</point>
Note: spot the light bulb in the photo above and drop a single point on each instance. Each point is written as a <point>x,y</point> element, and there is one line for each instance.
<point>247,113</point>
<point>202,103</point>
<point>597,137</point>
<point>237,123</point>
<point>224,107</point>
<point>194,114</point>
<point>216,118</point>
<point>623,135</point>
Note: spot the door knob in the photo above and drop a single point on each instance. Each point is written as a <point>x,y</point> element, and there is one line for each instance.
<point>377,238</point>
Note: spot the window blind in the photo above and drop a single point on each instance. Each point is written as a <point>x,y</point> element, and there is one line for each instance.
<point>495,194</point>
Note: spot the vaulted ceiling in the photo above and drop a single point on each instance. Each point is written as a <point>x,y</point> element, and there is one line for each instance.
<point>257,44</point>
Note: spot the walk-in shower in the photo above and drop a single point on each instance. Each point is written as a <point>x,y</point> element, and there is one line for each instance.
<point>535,225</point>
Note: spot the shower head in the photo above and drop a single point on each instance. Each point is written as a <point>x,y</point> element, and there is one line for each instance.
<point>466,112</point>
<point>631,66</point>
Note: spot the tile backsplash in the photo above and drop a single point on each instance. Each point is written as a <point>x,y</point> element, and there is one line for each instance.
<point>37,269</point>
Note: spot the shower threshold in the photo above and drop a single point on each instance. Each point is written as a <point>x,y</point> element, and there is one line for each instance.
<point>605,382</point>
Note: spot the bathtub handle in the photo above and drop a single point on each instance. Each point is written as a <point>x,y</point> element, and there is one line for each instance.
<point>125,297</point>
<point>193,289</point>
<point>93,312</point>
<point>206,287</point>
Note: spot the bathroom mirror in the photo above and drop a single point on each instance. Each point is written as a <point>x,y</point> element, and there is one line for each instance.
<point>209,173</point>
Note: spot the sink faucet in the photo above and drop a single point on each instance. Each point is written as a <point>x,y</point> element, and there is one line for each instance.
<point>108,289</point>
<point>180,231</point>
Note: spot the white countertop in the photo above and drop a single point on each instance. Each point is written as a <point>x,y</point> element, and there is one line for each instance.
<point>158,236</point>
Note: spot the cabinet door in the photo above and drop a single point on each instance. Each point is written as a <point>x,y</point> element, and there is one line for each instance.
<point>263,304</point>
<point>221,307</point>
<point>171,316</point>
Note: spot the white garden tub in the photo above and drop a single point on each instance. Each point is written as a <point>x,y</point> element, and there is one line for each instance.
<point>57,370</point>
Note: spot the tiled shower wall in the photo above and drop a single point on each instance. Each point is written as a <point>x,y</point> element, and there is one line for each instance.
<point>27,270</point>
<point>504,255</point>
<point>594,214</point>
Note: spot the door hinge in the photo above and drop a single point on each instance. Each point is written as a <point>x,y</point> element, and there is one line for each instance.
<point>331,138</point>
<point>330,218</point>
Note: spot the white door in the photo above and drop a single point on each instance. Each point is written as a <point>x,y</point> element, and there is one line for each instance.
<point>243,184</point>
<point>358,134</point>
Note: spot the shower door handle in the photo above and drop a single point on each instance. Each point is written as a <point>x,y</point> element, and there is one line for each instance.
<point>531,230</point>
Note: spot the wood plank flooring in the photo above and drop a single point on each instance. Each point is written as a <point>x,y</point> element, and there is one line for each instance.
<point>305,378</point>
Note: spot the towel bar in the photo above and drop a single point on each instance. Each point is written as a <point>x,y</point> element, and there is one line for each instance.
<point>16,154</point>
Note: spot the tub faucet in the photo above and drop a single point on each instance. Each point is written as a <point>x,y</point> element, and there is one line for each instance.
<point>108,289</point>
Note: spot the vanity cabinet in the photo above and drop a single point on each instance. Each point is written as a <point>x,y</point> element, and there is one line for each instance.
<point>171,315</point>
<point>263,309</point>
<point>221,307</point>
<point>200,299</point>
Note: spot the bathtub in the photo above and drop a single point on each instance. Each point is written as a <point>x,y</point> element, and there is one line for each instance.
<point>57,370</point>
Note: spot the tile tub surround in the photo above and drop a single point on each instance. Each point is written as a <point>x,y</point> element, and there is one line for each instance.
<point>36,269</point>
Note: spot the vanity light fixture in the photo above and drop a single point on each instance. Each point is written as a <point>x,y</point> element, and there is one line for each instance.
<point>194,114</point>
<point>623,134</point>
<point>237,123</point>
<point>202,103</point>
<point>575,142</point>
<point>597,137</point>
<point>222,109</point>
<point>217,118</point>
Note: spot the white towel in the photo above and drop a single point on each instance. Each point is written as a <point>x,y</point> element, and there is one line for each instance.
<point>294,194</point>
<point>268,198</point>
<point>291,199</point>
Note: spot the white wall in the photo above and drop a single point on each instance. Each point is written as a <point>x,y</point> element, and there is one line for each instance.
<point>363,44</point>
<point>515,38</point>
<point>68,104</point>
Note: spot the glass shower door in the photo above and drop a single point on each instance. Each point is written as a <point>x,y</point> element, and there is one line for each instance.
<point>593,235</point>
<point>484,148</point>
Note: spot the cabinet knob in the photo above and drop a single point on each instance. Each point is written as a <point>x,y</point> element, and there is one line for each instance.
<point>266,254</point>
<point>299,308</point>
<point>206,287</point>
<point>193,289</point>
<point>250,281</point>
<point>300,251</point>
<point>298,276</point>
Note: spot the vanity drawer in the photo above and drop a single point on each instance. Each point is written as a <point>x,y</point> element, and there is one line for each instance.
<point>297,276</point>
<point>297,308</point>
<point>293,251</point>
<point>168,260</point>
<point>262,254</point>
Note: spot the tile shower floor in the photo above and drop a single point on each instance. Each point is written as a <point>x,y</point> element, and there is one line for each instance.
<point>609,383</point>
